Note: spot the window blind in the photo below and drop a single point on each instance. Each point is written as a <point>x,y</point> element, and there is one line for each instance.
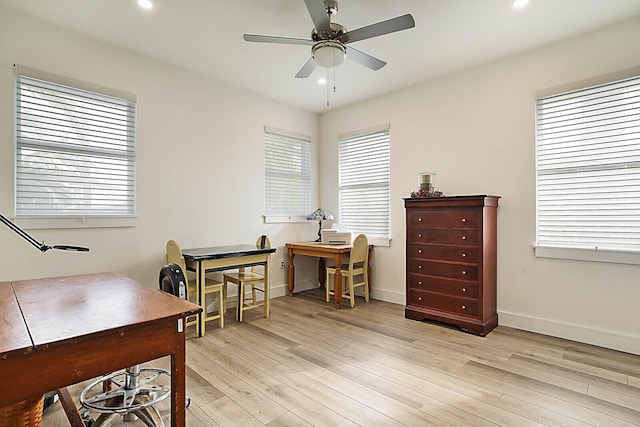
<point>588,167</point>
<point>364,179</point>
<point>287,174</point>
<point>75,151</point>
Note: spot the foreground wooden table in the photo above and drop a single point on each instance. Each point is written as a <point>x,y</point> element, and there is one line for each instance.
<point>60,331</point>
<point>317,249</point>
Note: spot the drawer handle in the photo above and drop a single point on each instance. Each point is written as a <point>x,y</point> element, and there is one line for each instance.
<point>464,255</point>
<point>464,272</point>
<point>419,298</point>
<point>419,219</point>
<point>464,289</point>
<point>419,267</point>
<point>464,237</point>
<point>419,234</point>
<point>464,219</point>
<point>419,251</point>
<point>420,282</point>
<point>464,307</point>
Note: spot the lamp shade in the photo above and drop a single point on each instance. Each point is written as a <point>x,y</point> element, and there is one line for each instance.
<point>319,215</point>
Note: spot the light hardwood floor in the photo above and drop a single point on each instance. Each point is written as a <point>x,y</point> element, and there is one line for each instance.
<point>312,365</point>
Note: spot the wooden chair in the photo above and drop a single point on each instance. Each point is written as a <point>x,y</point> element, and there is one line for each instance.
<point>358,267</point>
<point>252,279</point>
<point>211,286</point>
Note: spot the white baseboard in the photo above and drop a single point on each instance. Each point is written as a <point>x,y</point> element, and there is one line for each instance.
<point>608,339</point>
<point>279,290</point>
<point>388,296</point>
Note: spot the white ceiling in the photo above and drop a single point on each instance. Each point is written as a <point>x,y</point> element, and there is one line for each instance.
<point>205,36</point>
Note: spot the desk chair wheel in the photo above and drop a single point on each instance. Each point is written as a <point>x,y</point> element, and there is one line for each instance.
<point>133,394</point>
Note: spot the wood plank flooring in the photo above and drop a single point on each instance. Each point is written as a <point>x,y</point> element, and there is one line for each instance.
<point>312,365</point>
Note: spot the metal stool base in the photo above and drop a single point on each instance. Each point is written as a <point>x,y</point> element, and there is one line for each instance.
<point>134,394</point>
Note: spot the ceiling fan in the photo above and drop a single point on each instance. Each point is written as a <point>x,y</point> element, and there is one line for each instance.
<point>329,39</point>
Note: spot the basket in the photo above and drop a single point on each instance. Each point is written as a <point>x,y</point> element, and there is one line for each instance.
<point>27,413</point>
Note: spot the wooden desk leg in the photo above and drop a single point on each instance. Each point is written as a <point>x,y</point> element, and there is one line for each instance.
<point>267,288</point>
<point>322,272</point>
<point>75,420</point>
<point>179,380</point>
<point>369,270</point>
<point>240,297</point>
<point>291,276</point>
<point>200,281</point>
<point>337,280</point>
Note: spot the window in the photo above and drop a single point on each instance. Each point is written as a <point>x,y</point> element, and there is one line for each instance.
<point>588,172</point>
<point>287,176</point>
<point>363,183</point>
<point>75,149</point>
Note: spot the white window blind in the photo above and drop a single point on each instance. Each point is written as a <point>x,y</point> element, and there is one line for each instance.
<point>287,174</point>
<point>75,151</point>
<point>588,168</point>
<point>364,179</point>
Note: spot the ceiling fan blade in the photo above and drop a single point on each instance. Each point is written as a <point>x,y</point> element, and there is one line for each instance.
<point>306,69</point>
<point>319,17</point>
<point>275,39</point>
<point>392,25</point>
<point>363,59</point>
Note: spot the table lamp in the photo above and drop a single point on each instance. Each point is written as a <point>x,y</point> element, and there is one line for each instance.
<point>319,215</point>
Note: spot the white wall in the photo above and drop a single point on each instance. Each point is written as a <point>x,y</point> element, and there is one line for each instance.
<point>200,159</point>
<point>476,131</point>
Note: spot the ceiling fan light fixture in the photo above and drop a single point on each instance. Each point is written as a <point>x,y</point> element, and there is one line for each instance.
<point>328,53</point>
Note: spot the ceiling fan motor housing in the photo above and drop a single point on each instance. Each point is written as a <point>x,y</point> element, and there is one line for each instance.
<point>337,30</point>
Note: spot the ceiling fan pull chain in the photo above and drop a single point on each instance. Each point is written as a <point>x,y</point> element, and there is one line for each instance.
<point>334,79</point>
<point>327,86</point>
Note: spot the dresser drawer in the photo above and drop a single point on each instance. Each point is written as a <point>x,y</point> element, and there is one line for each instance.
<point>456,288</point>
<point>444,236</point>
<point>464,306</point>
<point>443,269</point>
<point>446,218</point>
<point>445,253</point>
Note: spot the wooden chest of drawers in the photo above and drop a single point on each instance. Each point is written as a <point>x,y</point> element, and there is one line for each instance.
<point>451,261</point>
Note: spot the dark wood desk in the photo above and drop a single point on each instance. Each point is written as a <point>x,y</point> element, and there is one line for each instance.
<point>316,249</point>
<point>60,331</point>
<point>219,258</point>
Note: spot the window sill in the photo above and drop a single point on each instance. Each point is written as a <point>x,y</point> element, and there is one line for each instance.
<point>277,219</point>
<point>595,255</point>
<point>379,241</point>
<point>42,223</point>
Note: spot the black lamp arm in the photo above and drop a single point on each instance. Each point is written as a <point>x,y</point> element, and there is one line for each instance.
<point>40,245</point>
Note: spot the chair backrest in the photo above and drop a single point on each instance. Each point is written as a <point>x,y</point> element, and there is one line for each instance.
<point>174,256</point>
<point>263,242</point>
<point>359,251</point>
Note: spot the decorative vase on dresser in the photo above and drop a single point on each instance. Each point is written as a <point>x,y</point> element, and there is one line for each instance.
<point>451,261</point>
